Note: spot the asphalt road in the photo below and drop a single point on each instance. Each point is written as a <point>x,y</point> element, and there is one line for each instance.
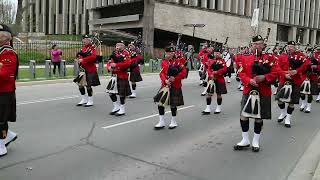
<point>59,141</point>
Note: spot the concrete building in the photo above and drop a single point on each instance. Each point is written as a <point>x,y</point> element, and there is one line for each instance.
<point>55,16</point>
<point>288,19</point>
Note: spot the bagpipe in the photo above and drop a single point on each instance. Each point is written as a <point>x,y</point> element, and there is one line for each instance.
<point>216,66</point>
<point>97,43</point>
<point>163,95</point>
<point>81,79</point>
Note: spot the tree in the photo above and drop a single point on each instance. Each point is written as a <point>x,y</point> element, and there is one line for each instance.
<point>7,12</point>
<point>19,12</point>
<point>148,26</point>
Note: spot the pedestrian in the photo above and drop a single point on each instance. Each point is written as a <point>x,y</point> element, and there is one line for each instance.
<point>56,54</point>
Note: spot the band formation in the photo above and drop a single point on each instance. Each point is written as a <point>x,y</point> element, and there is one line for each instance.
<point>293,71</point>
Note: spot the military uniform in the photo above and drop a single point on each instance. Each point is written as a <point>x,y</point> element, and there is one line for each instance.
<point>8,73</point>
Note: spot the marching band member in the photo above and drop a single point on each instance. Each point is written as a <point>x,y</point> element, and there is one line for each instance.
<point>228,60</point>
<point>119,64</point>
<point>135,75</point>
<point>257,72</point>
<point>204,62</point>
<point>88,76</point>
<point>311,83</point>
<point>170,94</point>
<point>217,68</point>
<point>293,66</point>
<point>8,73</point>
<point>202,73</point>
<point>317,57</point>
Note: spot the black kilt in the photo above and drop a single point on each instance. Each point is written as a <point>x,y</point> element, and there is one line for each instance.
<point>135,77</point>
<point>92,79</point>
<point>265,104</point>
<point>123,86</point>
<point>295,95</point>
<point>314,87</point>
<point>8,107</point>
<point>176,97</point>
<point>221,88</point>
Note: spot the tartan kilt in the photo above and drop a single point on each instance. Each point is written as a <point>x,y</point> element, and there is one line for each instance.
<point>176,97</point>
<point>8,107</point>
<point>135,77</point>
<point>123,86</point>
<point>314,88</point>
<point>221,88</point>
<point>92,79</point>
<point>265,104</point>
<point>295,95</point>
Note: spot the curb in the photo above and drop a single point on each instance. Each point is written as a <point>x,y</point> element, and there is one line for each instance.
<point>67,80</point>
<point>306,166</point>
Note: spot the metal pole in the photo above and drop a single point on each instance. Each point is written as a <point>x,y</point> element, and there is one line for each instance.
<point>194,29</point>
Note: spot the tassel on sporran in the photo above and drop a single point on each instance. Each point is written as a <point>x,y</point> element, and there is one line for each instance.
<point>112,87</point>
<point>163,97</point>
<point>305,87</point>
<point>252,107</point>
<point>210,87</point>
<point>284,95</point>
<point>81,79</point>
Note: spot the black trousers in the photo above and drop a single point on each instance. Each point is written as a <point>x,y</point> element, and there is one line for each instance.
<point>55,65</point>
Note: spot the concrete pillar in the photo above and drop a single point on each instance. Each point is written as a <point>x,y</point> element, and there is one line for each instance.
<point>302,12</point>
<point>65,17</point>
<point>70,31</point>
<point>297,13</point>
<point>312,14</point>
<point>37,15</point>
<point>227,5</point>
<point>204,4</point>
<point>313,37</point>
<point>58,24</point>
<point>93,14</point>
<point>51,22</point>
<point>78,11</point>
<point>44,16</point>
<point>235,6</point>
<point>25,19</point>
<point>287,12</point>
<point>212,4</point>
<point>31,15</point>
<point>248,8</point>
<point>277,11</point>
<point>266,10</point>
<point>292,36</point>
<point>186,2</point>
<point>110,2</point>
<point>242,6</point>
<point>292,11</point>
<point>306,36</point>
<point>220,5</point>
<point>307,14</point>
<point>272,10</point>
<point>317,7</point>
<point>282,11</point>
<point>84,18</point>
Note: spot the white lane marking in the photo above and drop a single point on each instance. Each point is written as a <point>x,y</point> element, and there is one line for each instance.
<point>73,96</point>
<point>142,118</point>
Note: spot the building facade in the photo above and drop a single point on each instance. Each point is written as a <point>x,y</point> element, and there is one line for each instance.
<point>288,19</point>
<point>55,16</point>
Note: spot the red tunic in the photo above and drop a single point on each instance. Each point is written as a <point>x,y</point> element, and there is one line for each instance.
<point>135,58</point>
<point>246,74</point>
<point>8,71</point>
<point>88,62</point>
<point>121,69</point>
<point>314,74</point>
<point>163,73</point>
<point>284,65</point>
<point>217,75</point>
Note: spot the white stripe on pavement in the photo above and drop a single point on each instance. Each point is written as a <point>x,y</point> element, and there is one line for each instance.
<point>142,118</point>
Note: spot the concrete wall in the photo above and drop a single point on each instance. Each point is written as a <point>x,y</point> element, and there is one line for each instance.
<point>218,25</point>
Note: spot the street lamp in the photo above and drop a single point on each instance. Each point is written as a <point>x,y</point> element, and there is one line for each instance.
<point>194,27</point>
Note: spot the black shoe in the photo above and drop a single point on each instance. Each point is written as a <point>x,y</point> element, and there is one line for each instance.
<point>118,115</point>
<point>217,112</point>
<point>203,94</point>
<point>113,113</point>
<point>88,105</point>
<point>205,113</point>
<point>8,143</point>
<point>240,148</point>
<point>79,105</point>
<point>280,120</point>
<point>307,112</point>
<point>318,101</point>
<point>301,109</point>
<point>173,127</point>
<point>159,128</point>
<point>287,125</point>
<point>255,149</point>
